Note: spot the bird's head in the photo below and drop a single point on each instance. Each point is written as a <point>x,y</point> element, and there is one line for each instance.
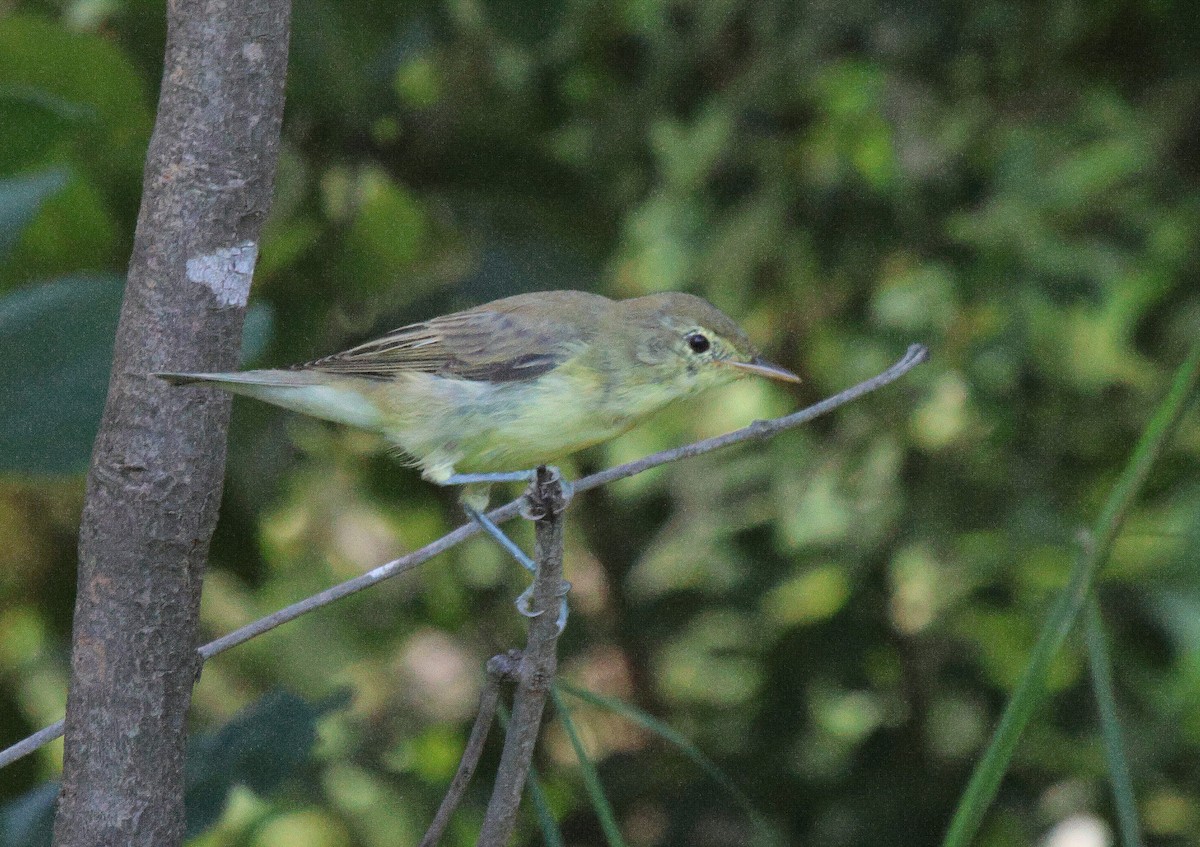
<point>691,345</point>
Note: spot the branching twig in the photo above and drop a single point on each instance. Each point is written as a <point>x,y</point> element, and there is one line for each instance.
<point>758,430</point>
<point>499,669</point>
<point>538,662</point>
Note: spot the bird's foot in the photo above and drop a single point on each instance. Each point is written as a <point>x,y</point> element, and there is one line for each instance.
<point>529,510</point>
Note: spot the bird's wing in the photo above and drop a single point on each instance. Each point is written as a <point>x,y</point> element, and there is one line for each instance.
<point>483,344</point>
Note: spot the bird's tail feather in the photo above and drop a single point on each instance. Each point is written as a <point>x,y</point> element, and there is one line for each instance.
<point>265,377</point>
<point>309,392</point>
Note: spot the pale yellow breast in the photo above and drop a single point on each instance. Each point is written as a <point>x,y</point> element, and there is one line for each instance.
<point>452,426</point>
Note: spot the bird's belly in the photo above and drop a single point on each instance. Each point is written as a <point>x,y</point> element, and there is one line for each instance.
<point>449,426</point>
<point>540,433</point>
<point>458,426</point>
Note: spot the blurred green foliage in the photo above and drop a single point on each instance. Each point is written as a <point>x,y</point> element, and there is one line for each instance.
<point>835,617</point>
<point>263,745</point>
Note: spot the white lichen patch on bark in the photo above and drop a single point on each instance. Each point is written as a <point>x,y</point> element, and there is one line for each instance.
<point>226,272</point>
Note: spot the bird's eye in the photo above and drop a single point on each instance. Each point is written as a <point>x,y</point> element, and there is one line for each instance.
<point>698,341</point>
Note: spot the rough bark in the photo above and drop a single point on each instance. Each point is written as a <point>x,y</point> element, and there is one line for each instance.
<point>539,661</point>
<point>157,466</point>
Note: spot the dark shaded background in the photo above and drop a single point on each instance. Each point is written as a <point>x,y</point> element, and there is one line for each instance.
<point>835,617</point>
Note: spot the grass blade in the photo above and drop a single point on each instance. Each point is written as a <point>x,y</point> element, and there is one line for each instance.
<point>591,779</point>
<point>1110,727</point>
<point>667,733</point>
<point>551,835</point>
<point>981,790</point>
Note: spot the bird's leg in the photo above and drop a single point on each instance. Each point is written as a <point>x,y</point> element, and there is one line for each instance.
<point>477,485</point>
<point>523,600</point>
<point>488,478</point>
<point>477,514</point>
<point>489,526</point>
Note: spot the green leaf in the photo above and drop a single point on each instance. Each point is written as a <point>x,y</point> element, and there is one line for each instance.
<point>207,788</point>
<point>388,236</point>
<point>87,71</point>
<point>73,229</point>
<point>273,738</point>
<point>262,746</point>
<point>20,198</point>
<point>257,331</point>
<point>28,820</point>
<point>59,338</point>
<point>38,124</point>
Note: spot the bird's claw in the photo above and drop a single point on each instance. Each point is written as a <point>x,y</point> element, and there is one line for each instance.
<point>522,603</point>
<point>561,622</point>
<point>525,600</point>
<point>568,490</point>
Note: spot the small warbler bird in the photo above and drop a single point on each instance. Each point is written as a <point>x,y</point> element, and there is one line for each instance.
<point>483,395</point>
<point>516,383</point>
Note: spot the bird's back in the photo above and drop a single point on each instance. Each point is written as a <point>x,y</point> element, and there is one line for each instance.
<point>511,339</point>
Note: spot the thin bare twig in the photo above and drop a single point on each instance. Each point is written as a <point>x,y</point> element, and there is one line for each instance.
<point>27,745</point>
<point>499,669</point>
<point>538,663</point>
<point>758,430</point>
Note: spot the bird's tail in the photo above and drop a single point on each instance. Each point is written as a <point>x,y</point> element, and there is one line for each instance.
<point>228,381</point>
<point>335,398</point>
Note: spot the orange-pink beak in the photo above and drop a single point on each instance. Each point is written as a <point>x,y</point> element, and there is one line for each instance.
<point>761,367</point>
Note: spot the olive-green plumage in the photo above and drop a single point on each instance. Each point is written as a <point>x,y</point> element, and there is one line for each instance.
<point>514,383</point>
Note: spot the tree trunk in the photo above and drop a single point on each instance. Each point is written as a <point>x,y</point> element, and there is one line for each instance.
<point>157,466</point>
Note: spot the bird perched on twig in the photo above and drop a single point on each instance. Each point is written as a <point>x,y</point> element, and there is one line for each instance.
<point>483,395</point>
